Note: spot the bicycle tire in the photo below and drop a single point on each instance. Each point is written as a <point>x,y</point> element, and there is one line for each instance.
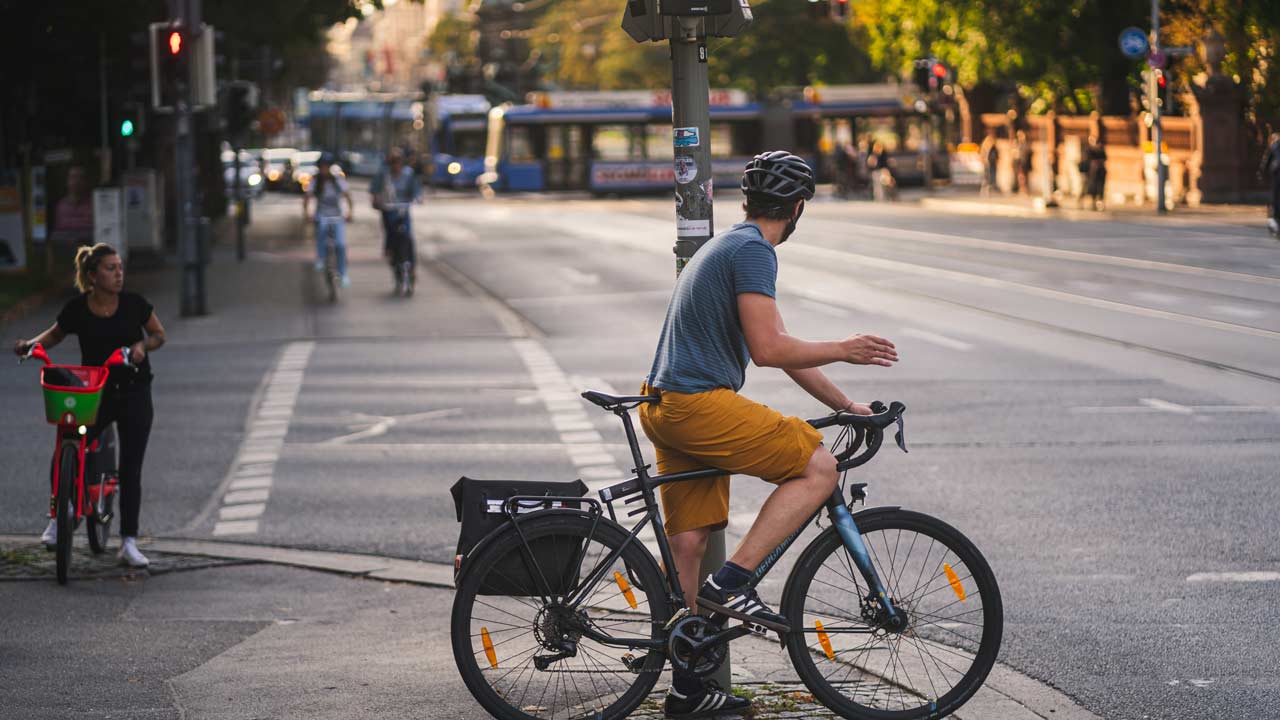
<point>520,619</point>
<point>64,509</point>
<point>942,613</point>
<point>98,467</point>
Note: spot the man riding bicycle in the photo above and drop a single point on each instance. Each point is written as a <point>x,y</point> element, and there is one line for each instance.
<point>723,314</point>
<point>393,191</point>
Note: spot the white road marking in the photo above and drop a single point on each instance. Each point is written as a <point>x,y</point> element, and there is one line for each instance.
<point>381,424</point>
<point>1155,297</point>
<point>1237,311</point>
<point>578,277</point>
<point>1166,406</point>
<point>1246,576</point>
<point>824,308</point>
<point>254,468</point>
<point>583,298</point>
<point>1160,407</point>
<point>937,339</point>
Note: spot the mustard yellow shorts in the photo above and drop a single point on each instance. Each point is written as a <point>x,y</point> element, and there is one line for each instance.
<point>720,429</point>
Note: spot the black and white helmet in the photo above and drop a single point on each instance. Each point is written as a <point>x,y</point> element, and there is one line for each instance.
<point>778,174</point>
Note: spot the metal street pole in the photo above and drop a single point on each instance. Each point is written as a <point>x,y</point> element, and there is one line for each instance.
<point>192,285</point>
<point>691,137</point>
<point>1157,133</point>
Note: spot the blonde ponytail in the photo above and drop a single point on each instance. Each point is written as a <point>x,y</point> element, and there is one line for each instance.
<point>87,259</point>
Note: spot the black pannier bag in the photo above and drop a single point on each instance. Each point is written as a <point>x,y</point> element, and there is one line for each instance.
<point>480,508</point>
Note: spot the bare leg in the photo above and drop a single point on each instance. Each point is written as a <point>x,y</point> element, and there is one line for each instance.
<point>787,508</point>
<point>687,549</point>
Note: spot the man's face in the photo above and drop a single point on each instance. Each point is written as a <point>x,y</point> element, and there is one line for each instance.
<point>791,224</point>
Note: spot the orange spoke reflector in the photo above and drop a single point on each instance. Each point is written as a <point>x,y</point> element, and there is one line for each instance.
<point>954,580</point>
<point>625,587</point>
<point>826,641</point>
<point>488,647</point>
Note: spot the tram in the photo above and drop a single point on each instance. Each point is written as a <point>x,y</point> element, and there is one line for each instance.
<point>455,138</point>
<point>360,127</point>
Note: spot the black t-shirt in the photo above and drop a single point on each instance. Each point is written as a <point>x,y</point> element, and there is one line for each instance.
<point>100,336</point>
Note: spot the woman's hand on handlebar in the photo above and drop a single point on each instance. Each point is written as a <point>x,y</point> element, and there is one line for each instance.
<point>21,347</point>
<point>869,350</point>
<point>137,352</point>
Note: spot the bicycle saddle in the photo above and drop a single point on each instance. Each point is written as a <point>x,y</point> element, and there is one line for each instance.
<point>612,402</point>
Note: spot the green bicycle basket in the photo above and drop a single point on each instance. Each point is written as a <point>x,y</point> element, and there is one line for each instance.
<point>72,393</point>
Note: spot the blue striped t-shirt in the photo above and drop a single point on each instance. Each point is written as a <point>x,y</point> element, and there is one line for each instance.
<point>702,346</point>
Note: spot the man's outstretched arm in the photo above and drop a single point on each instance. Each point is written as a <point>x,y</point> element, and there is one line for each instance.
<point>771,346</point>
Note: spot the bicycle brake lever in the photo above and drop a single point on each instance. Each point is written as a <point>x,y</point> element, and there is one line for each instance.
<point>898,436</point>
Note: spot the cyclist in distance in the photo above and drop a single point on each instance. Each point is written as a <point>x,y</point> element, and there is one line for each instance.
<point>722,315</point>
<point>393,190</point>
<point>105,317</point>
<point>329,189</point>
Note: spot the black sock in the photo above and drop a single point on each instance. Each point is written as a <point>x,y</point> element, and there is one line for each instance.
<point>685,684</point>
<point>732,576</point>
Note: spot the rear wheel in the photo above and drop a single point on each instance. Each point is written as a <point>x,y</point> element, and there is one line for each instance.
<point>525,657</point>
<point>64,508</point>
<point>847,652</point>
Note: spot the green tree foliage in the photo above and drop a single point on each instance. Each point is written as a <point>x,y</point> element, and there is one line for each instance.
<point>583,46</point>
<point>452,40</point>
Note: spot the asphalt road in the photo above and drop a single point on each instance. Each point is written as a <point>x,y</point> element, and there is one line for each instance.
<point>1094,404</point>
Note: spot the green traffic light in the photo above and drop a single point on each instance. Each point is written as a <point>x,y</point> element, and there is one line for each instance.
<point>126,128</point>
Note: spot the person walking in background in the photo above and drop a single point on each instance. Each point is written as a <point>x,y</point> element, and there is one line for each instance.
<point>1269,171</point>
<point>1094,167</point>
<point>989,152</point>
<point>1022,161</point>
<point>884,183</point>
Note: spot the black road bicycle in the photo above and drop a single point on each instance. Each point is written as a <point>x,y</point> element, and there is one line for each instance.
<point>561,612</point>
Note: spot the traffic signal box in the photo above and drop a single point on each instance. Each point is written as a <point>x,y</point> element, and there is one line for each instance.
<point>240,102</point>
<point>656,20</point>
<point>180,58</point>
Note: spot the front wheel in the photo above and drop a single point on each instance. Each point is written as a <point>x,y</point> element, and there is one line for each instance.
<point>65,509</point>
<point>847,651</point>
<point>529,656</point>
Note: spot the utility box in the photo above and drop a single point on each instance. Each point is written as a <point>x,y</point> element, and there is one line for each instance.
<point>143,211</point>
<point>646,20</point>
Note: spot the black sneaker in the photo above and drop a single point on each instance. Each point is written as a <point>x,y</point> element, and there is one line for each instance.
<point>710,702</point>
<point>742,604</point>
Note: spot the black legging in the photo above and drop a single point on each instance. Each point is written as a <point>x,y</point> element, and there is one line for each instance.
<point>130,408</point>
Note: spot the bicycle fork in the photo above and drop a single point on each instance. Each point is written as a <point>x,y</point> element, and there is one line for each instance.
<point>848,530</point>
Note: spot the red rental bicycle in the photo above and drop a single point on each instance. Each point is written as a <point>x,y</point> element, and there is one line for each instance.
<point>72,395</point>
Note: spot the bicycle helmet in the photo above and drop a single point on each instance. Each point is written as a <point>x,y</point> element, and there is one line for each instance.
<point>326,158</point>
<point>779,175</point>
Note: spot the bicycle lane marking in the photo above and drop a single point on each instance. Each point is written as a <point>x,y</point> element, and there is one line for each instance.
<point>253,471</point>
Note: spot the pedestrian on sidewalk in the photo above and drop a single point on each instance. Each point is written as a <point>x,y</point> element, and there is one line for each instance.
<point>989,152</point>
<point>105,318</point>
<point>393,190</point>
<point>1094,167</point>
<point>328,190</point>
<point>1022,162</point>
<point>1269,170</point>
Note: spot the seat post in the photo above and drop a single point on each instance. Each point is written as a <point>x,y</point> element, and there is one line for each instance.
<point>636,457</point>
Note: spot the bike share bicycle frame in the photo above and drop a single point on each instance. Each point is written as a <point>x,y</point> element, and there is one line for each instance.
<point>841,518</point>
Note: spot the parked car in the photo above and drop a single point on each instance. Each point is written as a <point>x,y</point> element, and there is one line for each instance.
<point>304,168</point>
<point>251,182</point>
<point>277,167</point>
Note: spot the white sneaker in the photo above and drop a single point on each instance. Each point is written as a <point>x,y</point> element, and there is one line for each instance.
<point>346,281</point>
<point>50,535</point>
<point>129,554</point>
<point>319,266</point>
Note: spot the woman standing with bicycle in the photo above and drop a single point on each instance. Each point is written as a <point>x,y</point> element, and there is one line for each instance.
<point>104,317</point>
<point>329,190</point>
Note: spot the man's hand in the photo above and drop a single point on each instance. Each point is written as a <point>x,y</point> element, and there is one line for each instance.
<point>869,350</point>
<point>138,352</point>
<point>858,408</point>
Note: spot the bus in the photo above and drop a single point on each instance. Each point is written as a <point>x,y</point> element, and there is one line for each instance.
<point>610,141</point>
<point>618,142</point>
<point>455,132</point>
<point>360,127</point>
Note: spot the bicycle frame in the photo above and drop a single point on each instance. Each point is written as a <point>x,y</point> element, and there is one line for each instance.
<point>841,518</point>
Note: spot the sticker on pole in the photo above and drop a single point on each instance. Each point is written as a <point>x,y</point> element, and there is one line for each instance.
<point>686,227</point>
<point>686,169</point>
<point>685,137</point>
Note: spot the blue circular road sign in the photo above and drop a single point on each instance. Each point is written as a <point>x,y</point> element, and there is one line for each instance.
<point>1133,43</point>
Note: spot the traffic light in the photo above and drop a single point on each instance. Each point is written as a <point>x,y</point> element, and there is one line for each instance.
<point>921,72</point>
<point>132,119</point>
<point>169,75</point>
<point>840,10</point>
<point>240,103</point>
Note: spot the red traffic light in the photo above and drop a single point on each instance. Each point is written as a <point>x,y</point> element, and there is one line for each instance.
<point>175,42</point>
<point>939,70</point>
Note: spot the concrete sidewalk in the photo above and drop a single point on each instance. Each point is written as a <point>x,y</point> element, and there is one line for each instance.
<point>970,202</point>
